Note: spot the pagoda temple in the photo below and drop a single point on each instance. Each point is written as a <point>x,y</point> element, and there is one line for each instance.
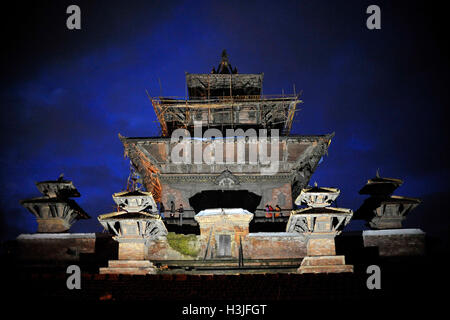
<point>226,101</point>
<point>209,167</point>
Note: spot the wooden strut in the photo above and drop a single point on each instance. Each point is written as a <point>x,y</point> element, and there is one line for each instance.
<point>207,245</point>
<point>152,183</point>
<point>241,253</point>
<point>209,90</point>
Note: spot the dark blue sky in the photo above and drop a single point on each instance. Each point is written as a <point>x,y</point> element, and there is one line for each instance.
<point>66,95</point>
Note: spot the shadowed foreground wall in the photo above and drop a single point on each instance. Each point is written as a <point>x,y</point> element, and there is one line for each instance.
<point>64,247</point>
<point>98,248</point>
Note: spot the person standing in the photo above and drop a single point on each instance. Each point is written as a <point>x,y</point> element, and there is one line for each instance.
<point>172,209</point>
<point>161,210</point>
<point>268,213</point>
<point>277,211</point>
<point>180,212</point>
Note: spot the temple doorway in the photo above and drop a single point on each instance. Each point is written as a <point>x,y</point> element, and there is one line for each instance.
<point>211,199</point>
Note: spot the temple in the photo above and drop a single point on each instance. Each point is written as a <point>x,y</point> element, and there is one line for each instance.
<point>225,110</point>
<point>225,159</point>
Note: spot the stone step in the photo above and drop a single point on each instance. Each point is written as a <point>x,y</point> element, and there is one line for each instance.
<point>137,271</point>
<point>129,264</point>
<point>323,260</point>
<point>326,269</point>
<point>230,263</point>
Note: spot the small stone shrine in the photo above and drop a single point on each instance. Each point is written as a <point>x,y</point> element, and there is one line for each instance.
<point>320,224</point>
<point>55,212</point>
<point>382,210</point>
<point>385,213</point>
<point>135,224</point>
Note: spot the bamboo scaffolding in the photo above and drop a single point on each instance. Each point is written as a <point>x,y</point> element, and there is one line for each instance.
<point>179,112</point>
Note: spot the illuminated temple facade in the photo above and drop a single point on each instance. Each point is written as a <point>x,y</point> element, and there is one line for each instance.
<point>221,187</point>
<point>226,101</point>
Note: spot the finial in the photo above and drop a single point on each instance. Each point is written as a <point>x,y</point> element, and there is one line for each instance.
<point>224,66</point>
<point>315,184</point>
<point>61,177</point>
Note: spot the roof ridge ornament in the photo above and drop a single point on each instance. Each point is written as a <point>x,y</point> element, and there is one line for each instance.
<point>224,66</point>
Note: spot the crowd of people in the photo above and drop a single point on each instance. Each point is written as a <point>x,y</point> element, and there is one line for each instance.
<point>270,211</point>
<point>162,209</point>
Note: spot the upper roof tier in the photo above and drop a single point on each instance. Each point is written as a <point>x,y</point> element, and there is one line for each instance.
<point>379,186</point>
<point>59,188</point>
<point>224,99</point>
<point>223,82</point>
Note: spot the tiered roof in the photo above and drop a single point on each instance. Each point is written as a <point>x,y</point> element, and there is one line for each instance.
<point>225,99</point>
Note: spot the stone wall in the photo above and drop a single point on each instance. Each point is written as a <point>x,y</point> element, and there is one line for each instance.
<point>279,245</point>
<point>132,251</point>
<point>97,249</point>
<point>321,246</point>
<point>161,250</point>
<point>396,242</point>
<point>274,245</point>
